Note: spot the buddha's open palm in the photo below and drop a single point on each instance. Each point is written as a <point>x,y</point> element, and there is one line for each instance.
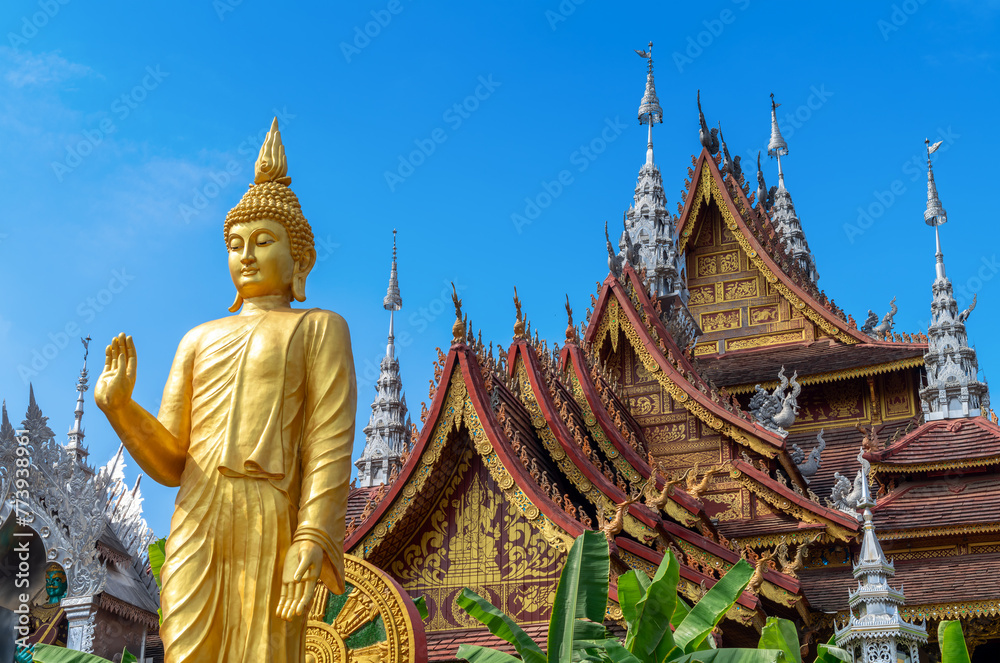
<point>114,387</point>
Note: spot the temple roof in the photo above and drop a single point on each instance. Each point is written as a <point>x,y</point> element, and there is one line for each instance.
<point>817,361</point>
<point>927,582</point>
<point>943,444</point>
<point>943,504</point>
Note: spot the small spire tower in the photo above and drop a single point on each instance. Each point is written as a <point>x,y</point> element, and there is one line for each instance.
<point>648,224</point>
<point>953,389</point>
<point>74,446</point>
<point>786,221</point>
<point>387,432</point>
<point>877,632</point>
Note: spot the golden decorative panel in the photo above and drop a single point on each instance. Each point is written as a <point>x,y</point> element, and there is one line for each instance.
<point>897,396</point>
<point>707,266</point>
<point>763,315</point>
<point>740,289</point>
<point>733,502</point>
<point>729,262</point>
<point>476,538</point>
<point>703,294</point>
<point>720,320</point>
<point>706,348</point>
<point>761,341</point>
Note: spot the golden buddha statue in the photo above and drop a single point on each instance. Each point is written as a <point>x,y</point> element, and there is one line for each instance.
<point>255,427</point>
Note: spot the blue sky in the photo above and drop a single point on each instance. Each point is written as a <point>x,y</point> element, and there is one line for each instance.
<point>127,133</point>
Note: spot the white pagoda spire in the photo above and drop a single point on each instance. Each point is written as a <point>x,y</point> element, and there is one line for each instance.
<point>953,389</point>
<point>875,631</point>
<point>74,446</point>
<point>649,227</point>
<point>387,432</point>
<point>786,221</point>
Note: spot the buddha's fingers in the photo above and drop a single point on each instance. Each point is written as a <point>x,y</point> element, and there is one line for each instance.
<point>115,351</point>
<point>132,361</point>
<point>107,358</point>
<point>307,599</point>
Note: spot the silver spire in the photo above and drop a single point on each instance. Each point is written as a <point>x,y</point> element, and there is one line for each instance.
<point>387,432</point>
<point>649,227</point>
<point>877,632</point>
<point>786,220</point>
<point>953,389</point>
<point>75,445</point>
<point>649,108</point>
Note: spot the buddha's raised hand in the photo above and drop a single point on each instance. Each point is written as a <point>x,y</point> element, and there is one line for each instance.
<point>114,387</point>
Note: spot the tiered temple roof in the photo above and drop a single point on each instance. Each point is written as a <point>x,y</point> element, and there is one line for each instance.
<point>633,429</point>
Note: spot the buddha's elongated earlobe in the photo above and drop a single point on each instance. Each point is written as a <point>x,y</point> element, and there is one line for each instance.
<point>237,303</point>
<point>302,268</point>
<point>299,287</point>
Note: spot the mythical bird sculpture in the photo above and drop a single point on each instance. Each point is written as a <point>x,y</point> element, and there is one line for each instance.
<point>613,527</point>
<point>709,139</point>
<point>808,468</point>
<point>870,441</point>
<point>657,500</point>
<point>729,164</point>
<point>776,411</point>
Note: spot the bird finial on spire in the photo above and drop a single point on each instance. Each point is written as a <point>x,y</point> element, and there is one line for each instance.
<point>935,214</point>
<point>393,301</point>
<point>649,108</point>
<point>777,147</point>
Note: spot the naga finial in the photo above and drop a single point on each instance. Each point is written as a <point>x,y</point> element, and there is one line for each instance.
<point>570,328</point>
<point>519,322</point>
<point>457,329</point>
<point>272,166</point>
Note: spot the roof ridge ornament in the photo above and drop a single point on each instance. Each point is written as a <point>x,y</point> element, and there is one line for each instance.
<point>650,111</point>
<point>709,139</point>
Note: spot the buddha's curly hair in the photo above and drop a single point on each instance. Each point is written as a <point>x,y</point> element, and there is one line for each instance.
<point>275,201</point>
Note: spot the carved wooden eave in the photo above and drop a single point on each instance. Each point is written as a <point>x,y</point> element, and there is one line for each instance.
<point>680,506</point>
<point>617,311</point>
<point>838,525</point>
<point>461,400</point>
<point>640,521</point>
<point>708,186</point>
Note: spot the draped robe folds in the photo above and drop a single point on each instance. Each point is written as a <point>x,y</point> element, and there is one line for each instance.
<point>269,400</point>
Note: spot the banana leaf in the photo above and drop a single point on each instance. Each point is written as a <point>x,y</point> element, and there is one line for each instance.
<point>53,654</point>
<point>499,625</point>
<point>477,654</point>
<point>631,588</point>
<point>582,594</point>
<point>951,640</point>
<point>781,634</point>
<point>654,611</point>
<point>828,653</point>
<point>707,612</point>
<point>733,656</point>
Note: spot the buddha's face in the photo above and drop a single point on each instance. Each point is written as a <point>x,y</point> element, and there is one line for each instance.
<point>260,259</point>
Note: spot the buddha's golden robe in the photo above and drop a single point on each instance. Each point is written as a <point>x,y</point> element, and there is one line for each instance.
<point>268,400</point>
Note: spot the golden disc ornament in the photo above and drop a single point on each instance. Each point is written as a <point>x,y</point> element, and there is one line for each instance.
<point>373,620</point>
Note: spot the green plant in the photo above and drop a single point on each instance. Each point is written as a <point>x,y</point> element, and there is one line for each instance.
<point>951,640</point>
<point>781,634</point>
<point>651,607</point>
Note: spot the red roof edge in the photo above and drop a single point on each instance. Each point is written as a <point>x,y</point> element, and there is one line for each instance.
<point>839,517</point>
<point>886,454</point>
<point>565,439</point>
<point>573,355</point>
